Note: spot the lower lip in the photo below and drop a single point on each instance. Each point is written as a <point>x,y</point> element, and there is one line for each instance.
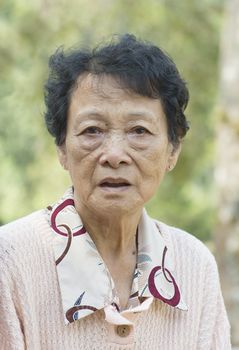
<point>114,189</point>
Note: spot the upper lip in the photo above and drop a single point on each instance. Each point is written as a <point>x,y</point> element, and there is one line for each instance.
<point>114,180</point>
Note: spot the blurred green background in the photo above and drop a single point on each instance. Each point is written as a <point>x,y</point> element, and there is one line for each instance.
<point>30,31</point>
<point>202,194</point>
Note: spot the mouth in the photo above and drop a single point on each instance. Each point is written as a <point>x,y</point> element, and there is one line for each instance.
<point>114,184</point>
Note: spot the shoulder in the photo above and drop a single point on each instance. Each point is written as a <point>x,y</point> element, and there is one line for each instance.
<point>185,246</point>
<point>21,236</point>
<point>20,226</point>
<point>194,267</point>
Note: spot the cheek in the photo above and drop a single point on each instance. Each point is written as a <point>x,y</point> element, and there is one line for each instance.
<point>150,184</point>
<point>76,154</point>
<point>152,168</point>
<point>79,166</point>
<point>152,180</point>
<point>154,163</point>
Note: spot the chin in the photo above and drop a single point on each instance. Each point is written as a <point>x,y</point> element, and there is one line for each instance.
<point>116,208</point>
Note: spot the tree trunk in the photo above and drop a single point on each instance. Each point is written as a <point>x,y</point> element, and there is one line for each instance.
<point>227,166</point>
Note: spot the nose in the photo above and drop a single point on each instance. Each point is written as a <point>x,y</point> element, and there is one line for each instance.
<point>114,152</point>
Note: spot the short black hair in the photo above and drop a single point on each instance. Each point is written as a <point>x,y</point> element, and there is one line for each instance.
<point>139,66</point>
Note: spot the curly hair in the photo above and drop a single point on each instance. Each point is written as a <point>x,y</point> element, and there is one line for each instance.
<point>137,65</point>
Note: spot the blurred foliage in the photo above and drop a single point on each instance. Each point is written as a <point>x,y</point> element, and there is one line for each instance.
<point>188,30</point>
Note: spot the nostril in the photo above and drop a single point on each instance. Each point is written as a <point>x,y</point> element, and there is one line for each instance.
<point>114,159</point>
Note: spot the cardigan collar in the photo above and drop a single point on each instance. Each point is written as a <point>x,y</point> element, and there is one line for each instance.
<point>85,282</point>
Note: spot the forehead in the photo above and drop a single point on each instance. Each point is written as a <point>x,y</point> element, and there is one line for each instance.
<point>104,92</point>
<point>101,86</point>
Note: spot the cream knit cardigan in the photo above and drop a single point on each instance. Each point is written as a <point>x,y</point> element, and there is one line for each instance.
<point>31,314</point>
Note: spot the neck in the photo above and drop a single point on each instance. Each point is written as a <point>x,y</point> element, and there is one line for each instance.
<point>113,235</point>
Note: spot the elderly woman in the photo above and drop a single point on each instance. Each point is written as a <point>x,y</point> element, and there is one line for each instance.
<point>94,271</point>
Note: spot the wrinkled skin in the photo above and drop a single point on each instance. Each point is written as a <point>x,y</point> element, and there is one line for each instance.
<point>119,136</point>
<point>117,152</point>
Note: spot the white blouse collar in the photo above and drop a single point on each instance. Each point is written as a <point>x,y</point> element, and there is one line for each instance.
<point>85,282</point>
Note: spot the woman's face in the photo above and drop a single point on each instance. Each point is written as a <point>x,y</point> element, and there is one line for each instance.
<point>116,148</point>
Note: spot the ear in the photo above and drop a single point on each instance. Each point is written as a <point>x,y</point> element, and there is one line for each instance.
<point>174,152</point>
<point>62,156</point>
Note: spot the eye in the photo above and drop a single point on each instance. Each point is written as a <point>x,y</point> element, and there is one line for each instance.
<point>139,130</point>
<point>92,130</point>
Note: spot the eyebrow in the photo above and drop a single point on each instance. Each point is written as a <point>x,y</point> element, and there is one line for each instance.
<point>96,114</point>
<point>90,113</point>
<point>143,114</point>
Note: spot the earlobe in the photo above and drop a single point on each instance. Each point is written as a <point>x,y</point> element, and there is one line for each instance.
<point>62,156</point>
<point>173,157</point>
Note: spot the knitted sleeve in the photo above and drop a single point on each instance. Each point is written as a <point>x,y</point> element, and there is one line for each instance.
<point>214,332</point>
<point>11,336</point>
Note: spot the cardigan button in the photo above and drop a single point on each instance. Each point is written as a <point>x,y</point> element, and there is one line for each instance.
<point>123,330</point>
